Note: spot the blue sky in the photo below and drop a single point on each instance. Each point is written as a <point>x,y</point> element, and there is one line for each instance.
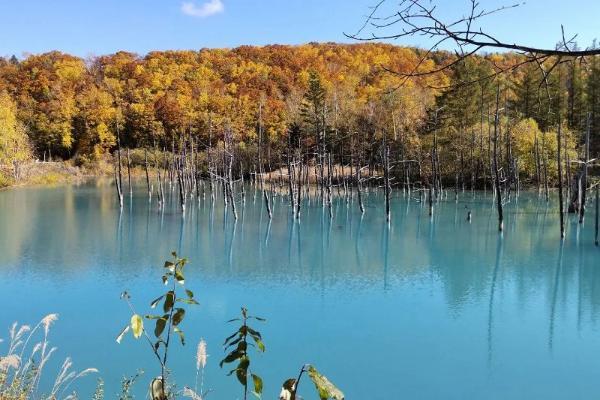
<point>93,27</point>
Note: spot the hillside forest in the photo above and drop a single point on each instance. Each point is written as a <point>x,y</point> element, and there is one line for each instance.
<point>336,105</point>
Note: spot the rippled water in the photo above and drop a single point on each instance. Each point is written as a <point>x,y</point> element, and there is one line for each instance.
<point>425,309</point>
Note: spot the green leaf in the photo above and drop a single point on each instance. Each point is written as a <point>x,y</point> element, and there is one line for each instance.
<point>123,332</point>
<point>231,357</point>
<point>156,301</point>
<point>137,326</point>
<point>242,371</point>
<point>181,335</point>
<point>254,333</point>
<point>326,389</point>
<point>160,327</point>
<point>242,347</point>
<point>189,301</point>
<point>234,342</point>
<point>258,385</point>
<point>169,265</point>
<point>259,344</point>
<point>169,301</point>
<point>179,276</point>
<point>178,316</point>
<point>242,376</point>
<point>229,338</point>
<point>189,293</point>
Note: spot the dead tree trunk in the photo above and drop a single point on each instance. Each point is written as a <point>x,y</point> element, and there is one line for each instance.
<point>227,172</point>
<point>545,166</point>
<point>147,174</point>
<point>118,178</point>
<point>359,187</point>
<point>495,163</point>
<point>291,175</point>
<point>299,195</point>
<point>329,183</point>
<point>242,186</point>
<point>568,182</point>
<point>430,199</point>
<point>597,211</point>
<point>388,188</point>
<point>161,192</point>
<point>584,175</point>
<point>538,173</point>
<point>179,171</point>
<point>560,179</point>
<point>129,173</point>
<point>209,161</point>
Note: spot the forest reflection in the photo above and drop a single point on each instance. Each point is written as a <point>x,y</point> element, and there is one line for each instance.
<point>69,231</point>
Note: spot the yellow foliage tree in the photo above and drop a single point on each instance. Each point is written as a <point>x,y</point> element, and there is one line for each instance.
<point>14,144</point>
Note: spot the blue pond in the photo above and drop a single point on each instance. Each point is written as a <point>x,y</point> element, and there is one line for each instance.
<point>425,308</point>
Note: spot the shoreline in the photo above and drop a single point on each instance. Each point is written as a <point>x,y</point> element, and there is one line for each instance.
<point>50,173</point>
<point>44,173</point>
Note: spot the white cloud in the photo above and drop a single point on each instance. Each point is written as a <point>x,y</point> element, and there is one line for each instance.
<point>207,9</point>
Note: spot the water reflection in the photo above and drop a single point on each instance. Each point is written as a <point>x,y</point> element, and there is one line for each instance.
<point>441,293</point>
<point>349,246</point>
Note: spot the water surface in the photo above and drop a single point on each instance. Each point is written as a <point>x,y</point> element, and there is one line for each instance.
<point>425,308</point>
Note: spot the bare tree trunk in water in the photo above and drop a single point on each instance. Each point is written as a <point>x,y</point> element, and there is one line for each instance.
<point>491,156</point>
<point>299,195</point>
<point>329,183</point>
<point>243,189</point>
<point>560,179</point>
<point>118,186</point>
<point>430,199</point>
<point>229,174</point>
<point>538,167</point>
<point>291,174</point>
<point>472,163</point>
<point>147,174</point>
<point>119,181</point>
<point>585,171</point>
<point>129,173</point>
<point>161,191</point>
<point>268,204</point>
<point>568,170</point>
<point>495,162</point>
<point>545,166</point>
<point>359,187</point>
<point>597,211</point>
<point>388,187</point>
<point>433,167</point>
<point>178,168</point>
<point>209,160</point>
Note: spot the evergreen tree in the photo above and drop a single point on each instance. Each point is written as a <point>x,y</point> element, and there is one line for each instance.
<point>576,115</point>
<point>314,108</point>
<point>526,92</point>
<point>593,100</point>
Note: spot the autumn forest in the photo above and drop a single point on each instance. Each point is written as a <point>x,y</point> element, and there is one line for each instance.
<point>349,102</point>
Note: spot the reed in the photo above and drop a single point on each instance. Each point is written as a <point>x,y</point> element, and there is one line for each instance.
<point>24,362</point>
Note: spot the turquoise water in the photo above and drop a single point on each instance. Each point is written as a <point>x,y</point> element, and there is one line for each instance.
<point>423,309</point>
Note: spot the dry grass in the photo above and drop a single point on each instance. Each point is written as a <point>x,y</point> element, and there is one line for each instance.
<point>21,368</point>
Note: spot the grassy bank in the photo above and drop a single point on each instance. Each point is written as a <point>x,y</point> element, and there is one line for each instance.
<point>45,173</point>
